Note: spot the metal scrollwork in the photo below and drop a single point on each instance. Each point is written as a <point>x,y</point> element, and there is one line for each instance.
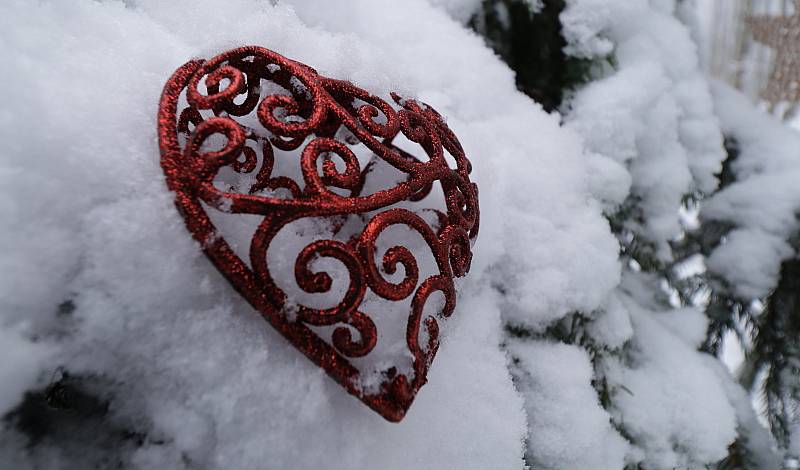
<point>298,109</point>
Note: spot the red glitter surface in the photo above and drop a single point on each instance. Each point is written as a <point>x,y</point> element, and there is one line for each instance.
<point>320,107</point>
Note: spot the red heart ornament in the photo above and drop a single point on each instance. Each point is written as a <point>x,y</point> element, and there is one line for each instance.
<point>266,111</point>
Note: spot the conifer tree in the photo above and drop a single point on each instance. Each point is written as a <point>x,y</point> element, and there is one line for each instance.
<point>530,41</point>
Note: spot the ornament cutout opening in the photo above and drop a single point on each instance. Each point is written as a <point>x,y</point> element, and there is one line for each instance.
<point>290,146</point>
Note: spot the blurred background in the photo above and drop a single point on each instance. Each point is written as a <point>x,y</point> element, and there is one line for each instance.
<point>729,52</point>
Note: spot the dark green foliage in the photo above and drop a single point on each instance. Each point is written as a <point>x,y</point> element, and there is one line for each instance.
<point>724,313</point>
<point>738,458</point>
<point>726,176</point>
<point>625,222</point>
<point>73,414</point>
<point>65,308</point>
<point>776,350</point>
<point>532,45</point>
<point>724,310</point>
<point>774,334</point>
<point>43,412</point>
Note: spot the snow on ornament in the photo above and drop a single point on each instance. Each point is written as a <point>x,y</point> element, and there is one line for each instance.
<point>782,33</point>
<point>293,183</point>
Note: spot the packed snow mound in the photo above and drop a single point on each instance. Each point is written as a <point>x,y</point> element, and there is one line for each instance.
<point>108,286</point>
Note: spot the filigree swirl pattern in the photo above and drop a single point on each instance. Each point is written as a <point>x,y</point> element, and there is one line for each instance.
<point>293,108</point>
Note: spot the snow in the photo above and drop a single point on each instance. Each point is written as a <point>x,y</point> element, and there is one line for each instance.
<point>569,428</point>
<point>651,112</point>
<point>611,328</point>
<point>461,10</point>
<point>665,132</point>
<point>19,367</point>
<point>762,203</point>
<point>759,441</point>
<point>549,218</point>
<point>185,362</point>
<point>672,402</point>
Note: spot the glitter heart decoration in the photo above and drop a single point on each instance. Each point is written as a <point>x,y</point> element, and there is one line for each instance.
<point>294,184</point>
